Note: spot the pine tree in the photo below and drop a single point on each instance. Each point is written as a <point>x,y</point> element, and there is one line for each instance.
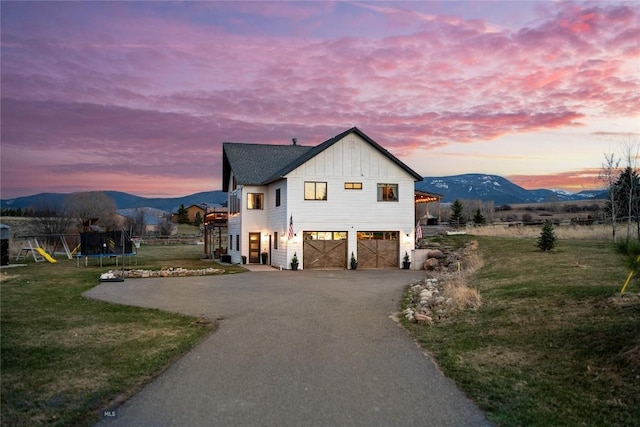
<point>478,218</point>
<point>547,239</point>
<point>183,215</point>
<point>456,219</point>
<point>198,220</point>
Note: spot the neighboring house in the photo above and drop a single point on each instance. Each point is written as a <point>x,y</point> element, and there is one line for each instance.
<point>193,212</point>
<point>346,195</point>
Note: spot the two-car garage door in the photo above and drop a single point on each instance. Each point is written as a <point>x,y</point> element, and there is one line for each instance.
<point>326,250</point>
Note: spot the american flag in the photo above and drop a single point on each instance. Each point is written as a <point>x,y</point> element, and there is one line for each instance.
<point>418,231</point>
<point>291,234</point>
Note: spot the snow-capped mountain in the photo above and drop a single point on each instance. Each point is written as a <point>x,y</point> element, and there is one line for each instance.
<point>495,188</point>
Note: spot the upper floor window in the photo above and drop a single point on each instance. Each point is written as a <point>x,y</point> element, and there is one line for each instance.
<point>255,201</point>
<point>387,192</point>
<point>277,197</point>
<point>353,186</point>
<point>315,190</point>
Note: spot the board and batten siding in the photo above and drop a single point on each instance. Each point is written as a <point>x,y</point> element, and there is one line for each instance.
<point>351,160</point>
<point>277,221</point>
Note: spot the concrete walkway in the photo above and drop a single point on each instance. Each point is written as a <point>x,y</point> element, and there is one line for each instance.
<point>304,348</point>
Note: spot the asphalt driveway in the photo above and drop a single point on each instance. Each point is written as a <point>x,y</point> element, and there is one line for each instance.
<point>305,348</point>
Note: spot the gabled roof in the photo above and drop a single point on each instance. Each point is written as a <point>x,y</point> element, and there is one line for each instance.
<point>256,164</point>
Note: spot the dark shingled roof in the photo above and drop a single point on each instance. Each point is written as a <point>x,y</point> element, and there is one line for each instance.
<point>255,164</point>
<point>258,164</point>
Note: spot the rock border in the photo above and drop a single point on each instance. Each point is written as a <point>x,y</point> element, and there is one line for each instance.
<point>168,272</point>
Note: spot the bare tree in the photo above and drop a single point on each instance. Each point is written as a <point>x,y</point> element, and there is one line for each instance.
<point>608,175</point>
<point>631,186</point>
<point>165,226</point>
<point>488,210</point>
<point>49,221</point>
<point>136,223</point>
<point>93,206</point>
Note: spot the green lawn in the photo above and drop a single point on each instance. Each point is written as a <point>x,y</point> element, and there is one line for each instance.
<point>65,357</point>
<point>553,343</point>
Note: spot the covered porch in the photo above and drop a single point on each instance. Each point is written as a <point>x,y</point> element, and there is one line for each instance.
<point>427,208</point>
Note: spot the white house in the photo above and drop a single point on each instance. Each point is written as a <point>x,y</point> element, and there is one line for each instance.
<point>345,196</point>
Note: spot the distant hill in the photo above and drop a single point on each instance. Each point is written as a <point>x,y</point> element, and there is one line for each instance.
<point>497,189</point>
<point>468,186</point>
<point>123,200</point>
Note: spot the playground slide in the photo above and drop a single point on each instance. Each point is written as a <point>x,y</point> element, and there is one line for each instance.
<point>45,255</point>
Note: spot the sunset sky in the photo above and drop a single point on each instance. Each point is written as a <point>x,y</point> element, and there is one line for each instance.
<point>139,96</point>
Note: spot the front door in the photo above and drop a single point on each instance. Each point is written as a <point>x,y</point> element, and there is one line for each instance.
<point>254,248</point>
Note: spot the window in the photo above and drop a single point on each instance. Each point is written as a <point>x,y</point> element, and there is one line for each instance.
<point>378,235</point>
<point>254,200</point>
<point>325,235</point>
<point>230,242</point>
<point>315,191</point>
<point>275,240</point>
<point>237,242</point>
<point>277,197</point>
<point>387,192</point>
<point>353,186</point>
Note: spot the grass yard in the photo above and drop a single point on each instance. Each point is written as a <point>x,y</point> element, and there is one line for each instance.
<point>65,358</point>
<point>554,343</point>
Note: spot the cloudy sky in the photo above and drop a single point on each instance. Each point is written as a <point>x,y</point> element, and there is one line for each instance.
<point>139,96</point>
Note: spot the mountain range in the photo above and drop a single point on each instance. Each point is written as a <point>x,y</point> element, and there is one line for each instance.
<point>468,186</point>
<point>497,189</point>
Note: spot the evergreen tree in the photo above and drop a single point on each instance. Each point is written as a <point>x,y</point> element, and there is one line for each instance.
<point>183,215</point>
<point>457,219</point>
<point>547,239</point>
<point>198,220</point>
<point>478,218</point>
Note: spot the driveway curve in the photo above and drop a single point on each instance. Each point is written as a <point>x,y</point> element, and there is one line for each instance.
<point>305,348</point>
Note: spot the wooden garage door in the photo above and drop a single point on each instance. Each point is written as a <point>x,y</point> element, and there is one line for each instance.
<point>378,249</point>
<point>324,253</point>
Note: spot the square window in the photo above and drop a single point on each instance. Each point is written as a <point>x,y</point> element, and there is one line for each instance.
<point>315,191</point>
<point>387,192</point>
<point>255,200</point>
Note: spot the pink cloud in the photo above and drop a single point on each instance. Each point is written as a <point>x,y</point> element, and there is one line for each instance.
<point>573,181</point>
<point>135,80</point>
